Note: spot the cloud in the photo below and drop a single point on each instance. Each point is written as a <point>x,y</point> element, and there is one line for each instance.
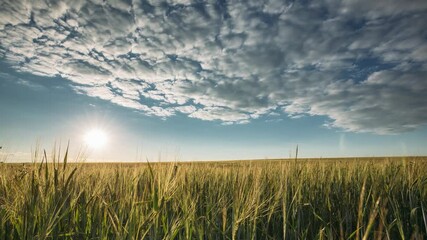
<point>361,64</point>
<point>22,82</point>
<point>220,113</point>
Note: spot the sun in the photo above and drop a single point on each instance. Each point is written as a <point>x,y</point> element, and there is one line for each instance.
<point>96,138</point>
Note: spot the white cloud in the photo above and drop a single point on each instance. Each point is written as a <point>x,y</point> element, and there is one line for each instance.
<point>360,63</point>
<point>186,109</point>
<point>220,113</point>
<point>23,82</point>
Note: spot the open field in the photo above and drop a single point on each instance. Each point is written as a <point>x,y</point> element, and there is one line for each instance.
<point>369,198</point>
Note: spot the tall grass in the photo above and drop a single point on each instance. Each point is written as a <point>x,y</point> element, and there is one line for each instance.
<point>324,199</point>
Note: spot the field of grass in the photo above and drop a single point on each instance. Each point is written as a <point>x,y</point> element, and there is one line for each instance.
<point>381,198</point>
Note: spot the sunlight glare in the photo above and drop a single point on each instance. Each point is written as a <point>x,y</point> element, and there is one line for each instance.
<point>96,138</point>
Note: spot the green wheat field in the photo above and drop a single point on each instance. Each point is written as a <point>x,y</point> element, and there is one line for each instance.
<point>364,198</point>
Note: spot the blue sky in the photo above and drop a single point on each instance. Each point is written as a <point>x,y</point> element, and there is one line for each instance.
<point>206,80</point>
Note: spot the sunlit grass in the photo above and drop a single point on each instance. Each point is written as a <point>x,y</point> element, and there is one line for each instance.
<point>304,199</point>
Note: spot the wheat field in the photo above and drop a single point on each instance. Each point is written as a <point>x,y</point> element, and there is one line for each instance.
<point>369,198</point>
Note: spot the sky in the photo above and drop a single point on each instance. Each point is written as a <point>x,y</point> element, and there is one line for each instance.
<point>213,80</point>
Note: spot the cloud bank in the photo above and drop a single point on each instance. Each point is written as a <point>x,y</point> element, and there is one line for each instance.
<point>362,64</point>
